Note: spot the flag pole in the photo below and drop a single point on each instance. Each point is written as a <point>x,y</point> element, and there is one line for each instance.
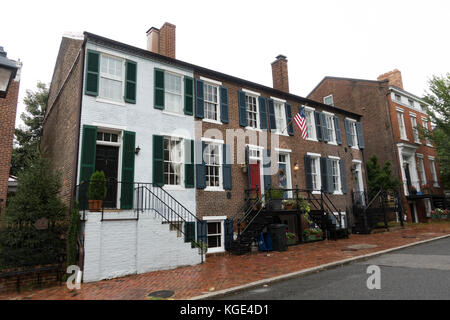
<point>287,125</point>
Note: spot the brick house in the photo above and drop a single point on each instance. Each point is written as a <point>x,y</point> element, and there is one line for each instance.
<point>8,106</point>
<point>391,117</point>
<point>183,148</point>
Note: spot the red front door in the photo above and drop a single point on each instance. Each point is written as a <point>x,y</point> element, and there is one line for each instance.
<point>255,177</point>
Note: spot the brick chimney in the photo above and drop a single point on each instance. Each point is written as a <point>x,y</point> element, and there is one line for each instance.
<point>394,77</point>
<point>280,74</point>
<point>162,41</point>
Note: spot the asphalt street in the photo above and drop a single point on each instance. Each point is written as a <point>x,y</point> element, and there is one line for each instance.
<point>419,272</point>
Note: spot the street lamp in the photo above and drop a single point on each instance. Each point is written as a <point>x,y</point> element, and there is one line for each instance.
<point>8,71</point>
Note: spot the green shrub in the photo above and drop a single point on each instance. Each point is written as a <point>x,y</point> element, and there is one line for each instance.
<point>97,186</point>
<point>276,194</point>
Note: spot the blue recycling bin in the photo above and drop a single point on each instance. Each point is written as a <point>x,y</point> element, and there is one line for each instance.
<point>265,242</point>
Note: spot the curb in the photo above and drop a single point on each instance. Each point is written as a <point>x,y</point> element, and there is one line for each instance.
<point>308,271</point>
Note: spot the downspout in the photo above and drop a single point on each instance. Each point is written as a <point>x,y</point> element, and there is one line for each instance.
<point>74,183</point>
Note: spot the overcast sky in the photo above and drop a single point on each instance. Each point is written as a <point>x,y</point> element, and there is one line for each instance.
<point>356,39</point>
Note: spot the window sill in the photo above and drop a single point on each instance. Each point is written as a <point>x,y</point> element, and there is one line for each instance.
<point>435,185</point>
<point>211,121</point>
<point>404,139</point>
<point>253,129</point>
<point>169,113</point>
<point>332,143</point>
<point>214,189</point>
<point>104,100</point>
<point>215,250</point>
<point>311,139</point>
<point>338,193</point>
<point>173,188</point>
<point>280,134</point>
<point>316,192</point>
<point>429,145</point>
<point>356,148</point>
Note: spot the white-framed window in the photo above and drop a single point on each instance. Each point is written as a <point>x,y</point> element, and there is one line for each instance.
<point>315,172</point>
<point>401,125</point>
<point>421,169</point>
<point>353,133</point>
<point>414,128</point>
<point>111,84</point>
<point>252,111</point>
<point>280,117</point>
<point>107,136</point>
<point>411,102</point>
<point>173,161</point>
<point>398,97</point>
<point>329,119</point>
<point>336,174</point>
<point>173,92</point>
<point>215,234</point>
<point>213,165</point>
<point>211,101</point>
<point>433,172</point>
<point>425,126</point>
<point>328,100</point>
<point>310,124</point>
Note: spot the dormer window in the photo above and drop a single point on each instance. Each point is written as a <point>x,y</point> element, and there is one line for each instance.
<point>328,100</point>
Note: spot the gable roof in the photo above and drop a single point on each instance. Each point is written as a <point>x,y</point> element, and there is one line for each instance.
<point>208,72</point>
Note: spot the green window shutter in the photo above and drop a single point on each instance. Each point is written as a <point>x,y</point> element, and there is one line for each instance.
<point>223,104</point>
<point>159,89</point>
<point>87,164</point>
<point>189,231</point>
<point>337,128</point>
<point>188,96</point>
<point>189,177</point>
<point>158,160</point>
<point>359,133</point>
<point>128,155</point>
<point>200,167</point>
<point>343,176</point>
<point>226,167</point>
<point>308,172</point>
<point>290,127</point>
<point>130,81</point>
<point>242,109</point>
<point>92,73</point>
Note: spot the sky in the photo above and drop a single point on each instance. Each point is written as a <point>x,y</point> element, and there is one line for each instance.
<point>354,39</point>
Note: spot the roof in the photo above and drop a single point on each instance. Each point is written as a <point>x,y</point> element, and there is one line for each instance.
<point>148,54</point>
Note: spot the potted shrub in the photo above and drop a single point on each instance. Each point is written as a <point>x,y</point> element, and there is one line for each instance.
<point>289,204</point>
<point>276,197</point>
<point>313,234</point>
<point>97,191</point>
<point>412,190</point>
<point>291,238</point>
<point>426,189</point>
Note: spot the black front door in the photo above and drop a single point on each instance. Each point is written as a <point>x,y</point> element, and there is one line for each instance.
<point>107,160</point>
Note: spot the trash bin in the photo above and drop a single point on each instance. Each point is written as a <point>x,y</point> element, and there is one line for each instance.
<point>278,235</point>
<point>265,242</point>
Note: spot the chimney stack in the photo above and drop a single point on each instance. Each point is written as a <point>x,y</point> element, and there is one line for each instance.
<point>280,74</point>
<point>394,77</point>
<point>162,41</point>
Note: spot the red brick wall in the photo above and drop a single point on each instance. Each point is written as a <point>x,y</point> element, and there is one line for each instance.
<point>167,40</point>
<point>280,74</point>
<point>212,203</point>
<point>29,281</point>
<point>8,107</point>
<point>61,125</point>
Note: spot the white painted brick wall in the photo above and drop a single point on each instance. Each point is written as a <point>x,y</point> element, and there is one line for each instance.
<point>119,248</point>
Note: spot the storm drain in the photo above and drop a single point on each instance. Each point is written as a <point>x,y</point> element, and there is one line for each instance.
<point>161,294</point>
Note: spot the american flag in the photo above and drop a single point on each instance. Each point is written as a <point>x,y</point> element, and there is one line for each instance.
<point>300,120</point>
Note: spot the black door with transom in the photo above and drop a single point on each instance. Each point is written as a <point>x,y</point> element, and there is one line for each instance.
<point>107,160</point>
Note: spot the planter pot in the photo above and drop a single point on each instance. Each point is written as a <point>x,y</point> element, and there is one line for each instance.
<point>275,204</point>
<point>291,241</point>
<point>313,238</point>
<point>288,206</point>
<point>95,205</point>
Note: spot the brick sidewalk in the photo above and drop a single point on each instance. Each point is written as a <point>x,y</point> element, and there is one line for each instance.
<point>227,271</point>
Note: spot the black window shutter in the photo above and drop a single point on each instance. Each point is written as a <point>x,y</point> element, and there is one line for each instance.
<point>359,132</point>
<point>224,104</point>
<point>228,226</point>
<point>348,134</point>
<point>337,128</point>
<point>158,89</point>
<point>188,96</point>
<point>189,231</point>
<point>330,186</point>
<point>318,126</point>
<point>202,231</point>
<point>272,121</point>
<point>308,170</point>
<point>87,164</point>
<point>262,113</point>
<point>158,160</point>
<point>290,127</point>
<point>242,109</point>
<point>200,167</point>
<point>226,167</point>
<point>130,83</point>
<point>343,175</point>
<point>128,155</point>
<point>324,174</point>
<point>92,73</point>
<point>199,99</point>
<point>323,125</point>
<point>189,176</point>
